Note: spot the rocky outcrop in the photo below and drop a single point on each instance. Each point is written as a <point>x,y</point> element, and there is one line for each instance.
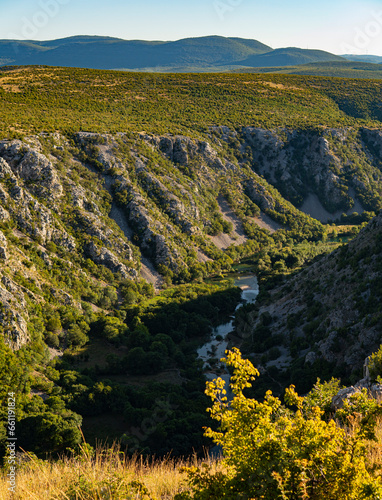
<point>13,315</point>
<point>101,148</point>
<point>373,139</point>
<point>298,162</point>
<point>80,199</point>
<point>152,242</point>
<point>3,246</point>
<point>169,201</point>
<point>178,149</point>
<point>103,256</point>
<point>32,167</point>
<point>37,220</point>
<point>374,391</point>
<point>30,174</point>
<point>259,195</point>
<point>305,163</point>
<point>182,150</point>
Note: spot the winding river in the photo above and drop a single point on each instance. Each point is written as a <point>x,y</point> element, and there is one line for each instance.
<point>215,348</point>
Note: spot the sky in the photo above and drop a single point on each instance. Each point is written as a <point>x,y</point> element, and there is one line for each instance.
<point>338,26</point>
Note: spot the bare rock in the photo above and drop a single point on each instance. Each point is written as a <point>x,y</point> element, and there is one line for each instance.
<point>259,195</point>
<point>342,396</point>
<point>34,168</point>
<point>12,320</point>
<point>108,259</point>
<point>374,391</point>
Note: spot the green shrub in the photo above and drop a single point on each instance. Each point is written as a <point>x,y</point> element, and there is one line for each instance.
<point>272,452</point>
<point>375,365</point>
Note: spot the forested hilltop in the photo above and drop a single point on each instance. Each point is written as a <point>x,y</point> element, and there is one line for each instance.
<point>129,202</point>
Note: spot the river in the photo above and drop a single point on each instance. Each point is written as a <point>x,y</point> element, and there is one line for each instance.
<point>213,350</point>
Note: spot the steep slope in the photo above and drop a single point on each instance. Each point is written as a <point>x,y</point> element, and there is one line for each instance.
<point>322,163</point>
<point>82,220</point>
<point>329,312</point>
<point>102,200</point>
<point>315,169</point>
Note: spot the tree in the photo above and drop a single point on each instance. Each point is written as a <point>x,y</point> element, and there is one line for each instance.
<point>49,432</point>
<point>273,452</point>
<point>375,365</point>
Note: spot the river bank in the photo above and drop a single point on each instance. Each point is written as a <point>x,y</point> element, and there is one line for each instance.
<point>213,350</point>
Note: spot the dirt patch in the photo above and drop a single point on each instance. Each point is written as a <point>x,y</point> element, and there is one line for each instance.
<point>313,207</point>
<point>202,257</point>
<point>222,241</point>
<point>237,235</point>
<point>149,273</point>
<point>11,88</point>
<point>55,353</point>
<point>280,86</point>
<point>265,222</point>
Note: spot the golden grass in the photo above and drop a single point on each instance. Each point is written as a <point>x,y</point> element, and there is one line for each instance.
<point>374,457</point>
<point>106,476</point>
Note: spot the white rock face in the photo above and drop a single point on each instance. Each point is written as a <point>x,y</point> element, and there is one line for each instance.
<point>32,167</point>
<point>12,316</point>
<point>109,259</point>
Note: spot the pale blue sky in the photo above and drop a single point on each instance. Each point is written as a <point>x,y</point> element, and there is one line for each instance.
<point>339,26</point>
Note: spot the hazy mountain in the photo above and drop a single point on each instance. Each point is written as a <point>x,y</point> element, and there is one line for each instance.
<point>109,53</point>
<point>363,58</point>
<point>290,57</point>
<point>343,69</point>
<point>211,52</point>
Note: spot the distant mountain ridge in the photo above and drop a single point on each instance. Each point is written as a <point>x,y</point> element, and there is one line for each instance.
<point>343,69</point>
<point>290,56</point>
<point>363,58</point>
<point>212,52</point>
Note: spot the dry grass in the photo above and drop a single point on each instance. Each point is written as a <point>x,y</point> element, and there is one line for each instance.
<point>106,476</point>
<point>374,458</point>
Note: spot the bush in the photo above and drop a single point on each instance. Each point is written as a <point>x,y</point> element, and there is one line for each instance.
<point>274,452</point>
<point>76,337</point>
<point>375,365</point>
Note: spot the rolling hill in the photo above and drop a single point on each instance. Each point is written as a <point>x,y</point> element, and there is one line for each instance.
<point>291,56</point>
<point>113,53</point>
<point>339,69</point>
<point>363,58</point>
<point>211,53</point>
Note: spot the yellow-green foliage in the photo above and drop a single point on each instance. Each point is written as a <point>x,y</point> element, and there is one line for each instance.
<point>375,364</point>
<point>71,99</point>
<point>272,452</point>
